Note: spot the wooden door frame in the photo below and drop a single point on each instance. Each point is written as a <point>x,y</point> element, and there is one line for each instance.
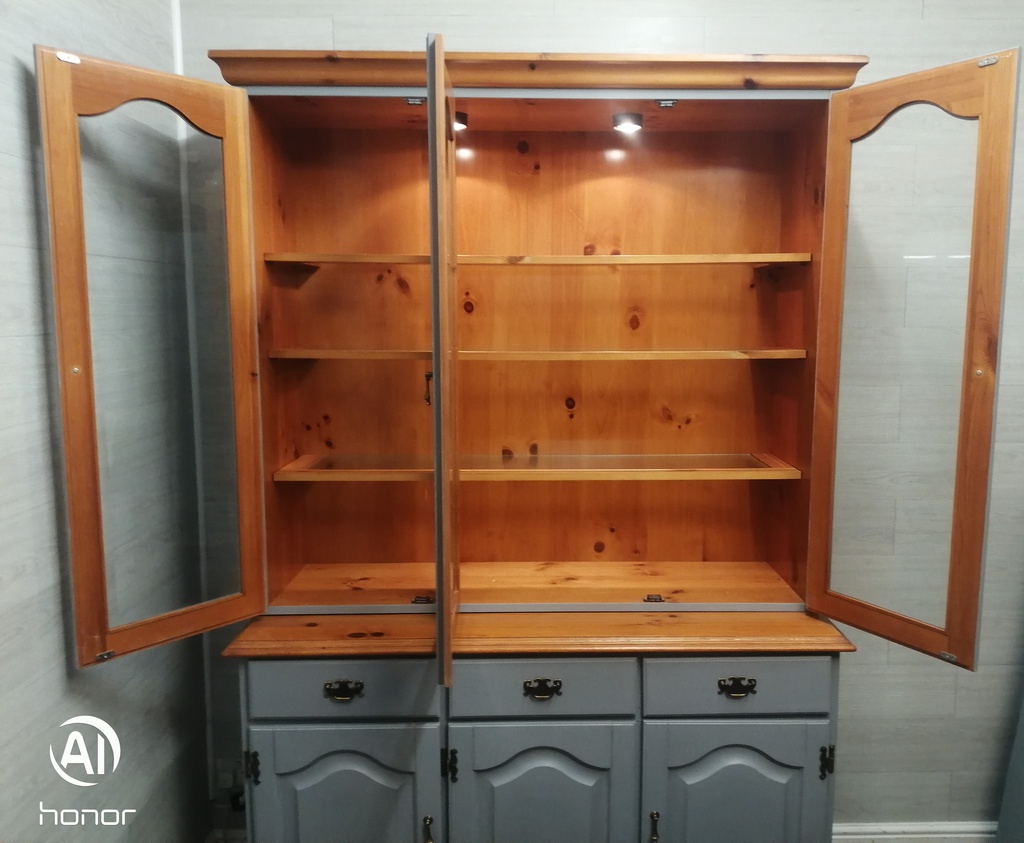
<point>72,86</point>
<point>982,89</point>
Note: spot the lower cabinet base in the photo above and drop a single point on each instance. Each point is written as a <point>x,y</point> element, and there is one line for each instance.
<point>542,750</point>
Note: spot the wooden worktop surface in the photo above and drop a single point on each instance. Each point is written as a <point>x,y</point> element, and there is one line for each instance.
<point>286,636</point>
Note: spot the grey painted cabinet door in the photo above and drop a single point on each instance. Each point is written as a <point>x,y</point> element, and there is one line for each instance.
<point>545,782</point>
<point>347,783</point>
<point>735,781</point>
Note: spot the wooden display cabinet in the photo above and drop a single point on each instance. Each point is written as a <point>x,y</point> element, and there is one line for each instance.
<point>342,242</point>
<point>539,367</point>
<point>539,391</point>
<point>630,386</point>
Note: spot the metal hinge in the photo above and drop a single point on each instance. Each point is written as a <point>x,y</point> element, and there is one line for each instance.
<point>252,766</point>
<point>826,761</point>
<point>103,657</point>
<point>654,598</point>
<point>421,599</point>
<point>949,657</point>
<point>991,60</point>
<point>450,764</point>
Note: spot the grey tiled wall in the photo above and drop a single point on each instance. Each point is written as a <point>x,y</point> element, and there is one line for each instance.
<point>154,701</point>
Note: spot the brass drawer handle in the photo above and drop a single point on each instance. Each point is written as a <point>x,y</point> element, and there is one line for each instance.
<point>655,816</point>
<point>737,687</point>
<point>542,689</point>
<point>343,690</point>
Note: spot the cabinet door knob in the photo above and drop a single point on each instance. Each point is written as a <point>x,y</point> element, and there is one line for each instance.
<point>655,816</point>
<point>542,689</point>
<point>737,687</point>
<point>428,821</point>
<point>343,690</point>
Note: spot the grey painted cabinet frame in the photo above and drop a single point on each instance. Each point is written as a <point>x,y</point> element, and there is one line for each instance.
<point>609,750</point>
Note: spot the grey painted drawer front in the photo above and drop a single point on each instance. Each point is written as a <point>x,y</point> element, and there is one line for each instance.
<point>399,688</point>
<point>589,687</point>
<point>784,685</point>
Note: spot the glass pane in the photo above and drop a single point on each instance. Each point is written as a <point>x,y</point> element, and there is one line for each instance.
<point>155,241</point>
<point>905,306</point>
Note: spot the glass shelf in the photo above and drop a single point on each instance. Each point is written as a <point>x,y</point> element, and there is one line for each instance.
<point>627,467</point>
<point>356,467</point>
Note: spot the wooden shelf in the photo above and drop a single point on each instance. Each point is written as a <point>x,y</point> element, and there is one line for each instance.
<point>356,467</point>
<point>314,260</point>
<point>348,354</point>
<point>591,586</point>
<point>725,586</point>
<point>627,467</point>
<point>678,354</point>
<point>760,259</point>
<point>375,584</point>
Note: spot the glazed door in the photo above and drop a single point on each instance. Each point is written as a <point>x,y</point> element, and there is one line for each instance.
<point>148,190</point>
<point>915,247</point>
<point>441,139</point>
<point>347,784</point>
<point>544,782</point>
<point>745,781</point>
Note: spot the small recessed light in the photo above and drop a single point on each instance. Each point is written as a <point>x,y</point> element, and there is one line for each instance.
<point>628,123</point>
<point>461,121</point>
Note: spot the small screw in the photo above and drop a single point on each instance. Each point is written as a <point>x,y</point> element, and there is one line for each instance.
<point>75,370</point>
<point>977,372</point>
